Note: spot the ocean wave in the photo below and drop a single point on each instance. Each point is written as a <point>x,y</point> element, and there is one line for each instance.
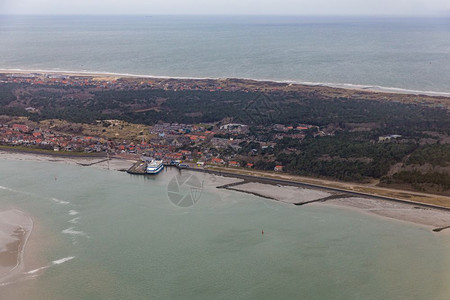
<point>74,220</point>
<point>367,87</point>
<point>71,231</point>
<point>8,189</point>
<point>62,260</point>
<point>37,270</point>
<point>73,212</point>
<point>60,201</point>
<point>55,262</point>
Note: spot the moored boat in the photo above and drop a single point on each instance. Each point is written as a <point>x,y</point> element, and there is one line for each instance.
<point>155,166</point>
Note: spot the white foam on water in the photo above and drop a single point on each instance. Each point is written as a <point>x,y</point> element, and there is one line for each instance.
<point>74,220</point>
<point>55,262</point>
<point>8,189</point>
<point>73,212</point>
<point>37,270</point>
<point>19,192</point>
<point>71,231</point>
<point>30,277</point>
<point>62,260</point>
<point>60,201</point>
<point>7,283</point>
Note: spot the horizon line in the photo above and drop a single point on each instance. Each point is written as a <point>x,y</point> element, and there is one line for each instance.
<point>437,14</point>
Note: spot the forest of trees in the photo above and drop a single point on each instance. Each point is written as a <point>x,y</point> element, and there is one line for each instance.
<point>422,181</point>
<point>345,156</point>
<point>253,108</point>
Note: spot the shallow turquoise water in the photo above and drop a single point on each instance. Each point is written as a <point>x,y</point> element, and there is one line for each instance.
<point>131,242</point>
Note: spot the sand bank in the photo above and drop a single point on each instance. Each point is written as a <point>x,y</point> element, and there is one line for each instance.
<point>425,216</point>
<point>114,163</point>
<point>429,217</point>
<point>15,228</point>
<point>287,194</point>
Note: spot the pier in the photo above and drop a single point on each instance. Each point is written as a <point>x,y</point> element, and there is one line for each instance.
<point>139,168</point>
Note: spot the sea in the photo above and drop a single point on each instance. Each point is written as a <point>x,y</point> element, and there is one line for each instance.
<point>104,234</point>
<point>380,53</point>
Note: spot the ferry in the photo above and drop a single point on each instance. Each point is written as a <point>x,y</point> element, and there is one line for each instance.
<point>155,166</point>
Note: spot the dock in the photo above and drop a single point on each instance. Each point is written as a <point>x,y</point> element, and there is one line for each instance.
<point>139,168</point>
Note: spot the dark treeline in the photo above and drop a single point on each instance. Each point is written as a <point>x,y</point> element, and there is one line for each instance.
<point>345,156</point>
<point>246,107</point>
<point>436,154</point>
<point>423,181</point>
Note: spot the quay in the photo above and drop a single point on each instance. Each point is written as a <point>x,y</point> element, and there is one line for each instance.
<point>140,167</point>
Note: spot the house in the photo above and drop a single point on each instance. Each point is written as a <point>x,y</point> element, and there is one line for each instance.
<point>249,165</point>
<point>217,161</point>
<point>20,127</point>
<point>236,128</point>
<point>388,137</point>
<point>186,152</point>
<point>278,168</point>
<point>234,164</point>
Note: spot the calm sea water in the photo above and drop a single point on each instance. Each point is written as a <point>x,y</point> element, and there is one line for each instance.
<point>130,242</point>
<point>406,53</point>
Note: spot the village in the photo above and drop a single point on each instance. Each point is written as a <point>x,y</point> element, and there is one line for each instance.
<point>220,143</point>
<point>191,144</point>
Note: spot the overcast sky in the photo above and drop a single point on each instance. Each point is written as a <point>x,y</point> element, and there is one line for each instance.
<point>299,7</point>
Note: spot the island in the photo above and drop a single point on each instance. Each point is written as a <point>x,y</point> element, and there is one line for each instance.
<point>381,143</point>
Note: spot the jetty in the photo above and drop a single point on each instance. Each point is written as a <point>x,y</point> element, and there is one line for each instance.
<point>139,168</point>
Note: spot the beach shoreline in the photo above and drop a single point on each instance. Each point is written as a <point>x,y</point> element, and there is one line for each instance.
<point>15,230</point>
<point>308,84</point>
<point>115,164</point>
<point>433,218</point>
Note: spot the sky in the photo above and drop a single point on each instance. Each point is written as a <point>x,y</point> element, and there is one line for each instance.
<point>296,7</point>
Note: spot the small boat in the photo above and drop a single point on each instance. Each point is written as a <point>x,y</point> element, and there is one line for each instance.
<point>155,166</point>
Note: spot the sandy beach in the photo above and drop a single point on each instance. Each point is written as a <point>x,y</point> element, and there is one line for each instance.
<point>428,217</point>
<point>286,194</point>
<point>106,76</point>
<point>424,216</point>
<point>15,228</point>
<point>97,162</point>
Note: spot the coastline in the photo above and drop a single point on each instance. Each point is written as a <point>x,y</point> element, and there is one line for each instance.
<point>371,88</point>
<point>15,230</point>
<point>416,213</point>
<point>115,164</point>
<point>434,219</point>
<point>351,188</point>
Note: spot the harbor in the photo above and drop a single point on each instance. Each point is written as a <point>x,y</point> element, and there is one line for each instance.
<point>146,166</point>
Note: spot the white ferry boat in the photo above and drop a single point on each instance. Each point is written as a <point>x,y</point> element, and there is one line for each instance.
<point>155,166</point>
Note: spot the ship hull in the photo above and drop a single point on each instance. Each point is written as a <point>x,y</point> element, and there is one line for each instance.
<point>154,171</point>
